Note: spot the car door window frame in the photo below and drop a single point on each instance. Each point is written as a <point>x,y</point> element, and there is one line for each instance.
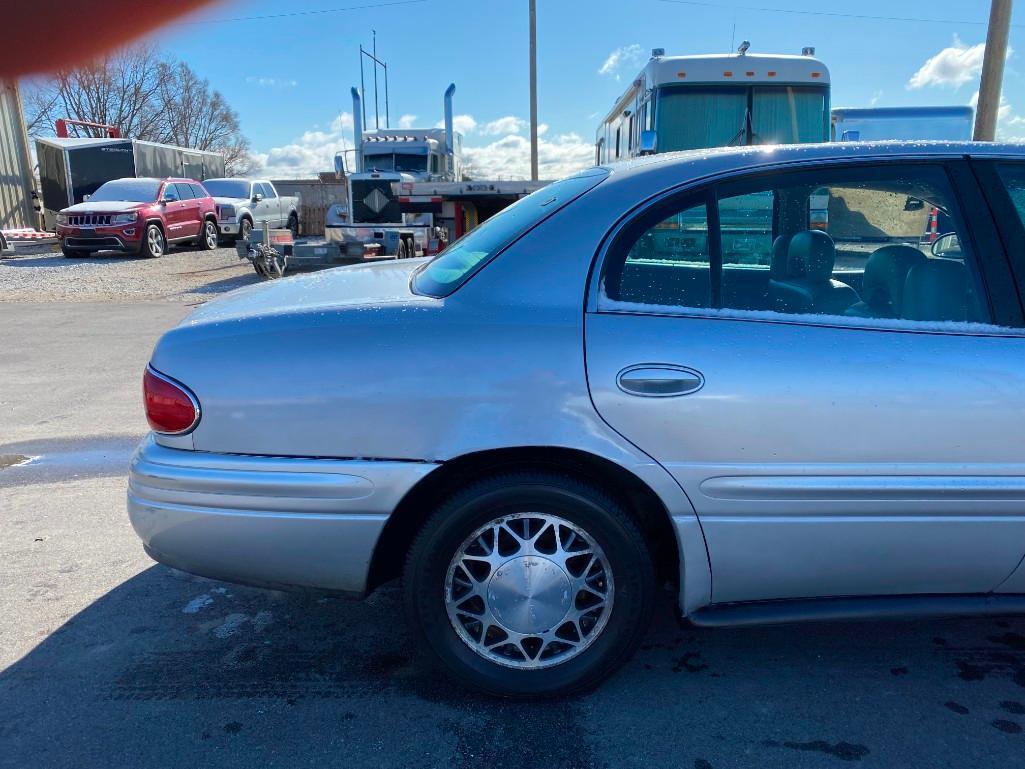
<point>996,277</point>
<point>1007,221</point>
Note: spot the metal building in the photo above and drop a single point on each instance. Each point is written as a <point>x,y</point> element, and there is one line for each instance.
<point>15,162</point>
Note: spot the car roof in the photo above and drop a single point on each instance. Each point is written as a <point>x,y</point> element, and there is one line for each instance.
<point>697,163</point>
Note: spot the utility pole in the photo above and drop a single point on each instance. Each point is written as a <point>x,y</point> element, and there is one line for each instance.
<point>988,108</point>
<point>533,89</point>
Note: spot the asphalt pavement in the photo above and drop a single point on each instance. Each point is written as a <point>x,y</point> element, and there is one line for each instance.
<point>109,660</point>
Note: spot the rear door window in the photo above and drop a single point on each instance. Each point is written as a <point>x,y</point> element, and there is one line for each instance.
<point>184,191</point>
<point>867,246</point>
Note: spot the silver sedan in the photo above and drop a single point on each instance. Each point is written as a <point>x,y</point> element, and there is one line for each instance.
<point>786,383</point>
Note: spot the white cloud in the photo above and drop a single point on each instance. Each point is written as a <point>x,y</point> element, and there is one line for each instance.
<point>952,67</point>
<point>407,121</point>
<point>464,124</point>
<point>875,98</point>
<point>504,125</point>
<point>272,82</point>
<point>623,56</point>
<point>1010,125</point>
<point>509,157</point>
<point>310,153</point>
<point>506,155</point>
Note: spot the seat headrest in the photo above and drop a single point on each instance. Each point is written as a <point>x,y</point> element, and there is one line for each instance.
<point>886,272</point>
<point>778,263</point>
<point>936,289</point>
<point>811,255</point>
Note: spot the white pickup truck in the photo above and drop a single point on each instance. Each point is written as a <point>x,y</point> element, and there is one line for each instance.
<point>246,203</point>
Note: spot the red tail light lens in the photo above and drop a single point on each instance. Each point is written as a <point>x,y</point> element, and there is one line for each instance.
<point>170,408</point>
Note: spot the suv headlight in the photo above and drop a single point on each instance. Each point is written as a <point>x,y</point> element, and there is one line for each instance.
<point>226,212</point>
<point>62,218</point>
<point>124,218</point>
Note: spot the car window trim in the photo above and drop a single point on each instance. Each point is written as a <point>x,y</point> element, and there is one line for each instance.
<point>1008,317</point>
<point>1004,216</point>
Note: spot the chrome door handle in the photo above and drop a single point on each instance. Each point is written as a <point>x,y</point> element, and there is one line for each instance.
<point>653,380</point>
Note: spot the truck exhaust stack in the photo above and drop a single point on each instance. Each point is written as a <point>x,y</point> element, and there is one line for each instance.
<point>449,143</point>
<point>357,128</point>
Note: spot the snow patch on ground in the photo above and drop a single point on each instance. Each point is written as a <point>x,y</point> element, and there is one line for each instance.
<point>197,603</point>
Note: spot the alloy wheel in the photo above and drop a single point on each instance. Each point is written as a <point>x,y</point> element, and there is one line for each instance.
<point>529,590</point>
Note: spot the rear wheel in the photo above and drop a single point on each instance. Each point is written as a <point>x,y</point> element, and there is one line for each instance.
<point>153,243</point>
<point>208,236</point>
<point>293,225</point>
<point>531,584</point>
<point>401,253</point>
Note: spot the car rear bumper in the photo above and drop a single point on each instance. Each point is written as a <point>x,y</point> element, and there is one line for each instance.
<point>268,521</point>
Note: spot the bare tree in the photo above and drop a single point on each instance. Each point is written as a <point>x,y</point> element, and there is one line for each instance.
<point>196,116</point>
<point>146,96</point>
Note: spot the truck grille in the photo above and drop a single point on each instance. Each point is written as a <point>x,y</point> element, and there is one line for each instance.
<point>373,202</point>
<point>89,220</point>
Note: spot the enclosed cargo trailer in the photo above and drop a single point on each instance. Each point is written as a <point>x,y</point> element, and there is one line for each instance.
<point>70,169</point>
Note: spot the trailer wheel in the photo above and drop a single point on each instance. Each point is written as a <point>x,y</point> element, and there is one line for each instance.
<point>293,225</point>
<point>402,253</point>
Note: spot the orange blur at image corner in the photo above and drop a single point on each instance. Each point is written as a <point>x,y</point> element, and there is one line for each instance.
<point>58,43</point>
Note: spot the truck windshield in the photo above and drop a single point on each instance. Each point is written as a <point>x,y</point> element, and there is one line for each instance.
<point>132,190</point>
<point>227,188</point>
<point>697,117</point>
<point>457,263</point>
<point>396,162</point>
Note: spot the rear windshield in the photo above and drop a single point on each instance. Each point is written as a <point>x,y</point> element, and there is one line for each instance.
<point>227,188</point>
<point>133,190</point>
<point>457,263</point>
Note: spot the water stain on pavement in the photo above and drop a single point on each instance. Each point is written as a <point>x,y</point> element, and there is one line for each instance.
<point>59,459</point>
<point>845,751</point>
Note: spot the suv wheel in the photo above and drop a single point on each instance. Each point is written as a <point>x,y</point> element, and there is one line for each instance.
<point>208,235</point>
<point>531,584</point>
<point>153,243</point>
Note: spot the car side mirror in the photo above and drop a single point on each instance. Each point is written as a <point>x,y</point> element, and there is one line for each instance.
<point>169,199</point>
<point>84,197</point>
<point>257,197</point>
<point>648,144</point>
<point>947,245</point>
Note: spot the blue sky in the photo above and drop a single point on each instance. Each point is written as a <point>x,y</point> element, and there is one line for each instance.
<point>289,77</point>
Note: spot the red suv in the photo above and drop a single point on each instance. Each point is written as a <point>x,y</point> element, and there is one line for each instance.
<point>139,216</point>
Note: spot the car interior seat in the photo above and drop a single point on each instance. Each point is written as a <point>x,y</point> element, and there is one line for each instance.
<point>882,288</point>
<point>936,290</point>
<point>809,286</point>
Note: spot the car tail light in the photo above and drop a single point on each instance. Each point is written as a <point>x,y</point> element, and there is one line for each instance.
<point>170,408</point>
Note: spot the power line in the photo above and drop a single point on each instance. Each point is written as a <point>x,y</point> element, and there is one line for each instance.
<point>832,14</point>
<point>290,14</point>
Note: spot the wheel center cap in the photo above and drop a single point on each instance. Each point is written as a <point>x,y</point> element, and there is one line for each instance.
<point>529,594</point>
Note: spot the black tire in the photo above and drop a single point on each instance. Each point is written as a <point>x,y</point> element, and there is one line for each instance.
<point>401,252</point>
<point>583,505</point>
<point>244,228</point>
<point>209,235</point>
<point>153,244</point>
<point>72,253</point>
<point>293,225</point>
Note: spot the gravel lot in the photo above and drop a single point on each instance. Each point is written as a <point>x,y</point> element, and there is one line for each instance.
<point>42,274</point>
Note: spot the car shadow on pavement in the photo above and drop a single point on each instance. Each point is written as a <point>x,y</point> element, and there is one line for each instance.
<point>171,670</point>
